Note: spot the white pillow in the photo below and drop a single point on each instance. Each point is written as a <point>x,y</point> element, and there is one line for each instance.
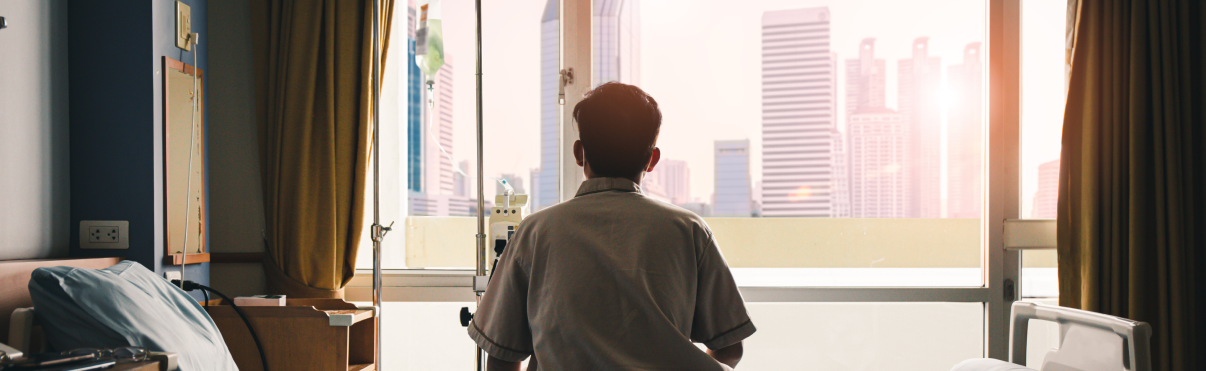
<point>126,305</point>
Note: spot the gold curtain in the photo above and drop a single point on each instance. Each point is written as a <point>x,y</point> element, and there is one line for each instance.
<point>1132,207</point>
<point>313,63</point>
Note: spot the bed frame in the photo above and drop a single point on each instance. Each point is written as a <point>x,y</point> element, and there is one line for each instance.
<point>14,283</point>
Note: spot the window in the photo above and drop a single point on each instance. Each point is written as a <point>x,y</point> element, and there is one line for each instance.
<point>428,138</point>
<point>839,150</point>
<point>796,113</point>
<point>1043,96</point>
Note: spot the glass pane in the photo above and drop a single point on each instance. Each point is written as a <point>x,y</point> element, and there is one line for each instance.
<point>425,336</point>
<point>861,109</point>
<point>863,336</point>
<point>1039,277</point>
<point>821,336</point>
<point>428,139</point>
<point>1043,96</point>
<point>849,132</point>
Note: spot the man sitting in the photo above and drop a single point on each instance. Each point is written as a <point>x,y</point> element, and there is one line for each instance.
<point>613,280</point>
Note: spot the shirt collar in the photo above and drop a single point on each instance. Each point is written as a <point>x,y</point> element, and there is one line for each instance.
<point>596,185</point>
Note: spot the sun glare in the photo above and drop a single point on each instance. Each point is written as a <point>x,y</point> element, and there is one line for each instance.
<point>800,194</point>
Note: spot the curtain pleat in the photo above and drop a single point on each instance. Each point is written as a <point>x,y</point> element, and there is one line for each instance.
<point>1132,216</point>
<point>313,85</point>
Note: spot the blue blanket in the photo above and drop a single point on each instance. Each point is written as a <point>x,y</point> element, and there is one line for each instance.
<point>126,305</point>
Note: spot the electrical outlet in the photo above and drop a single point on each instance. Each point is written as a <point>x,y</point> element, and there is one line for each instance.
<point>104,234</point>
<point>171,275</point>
<point>184,26</point>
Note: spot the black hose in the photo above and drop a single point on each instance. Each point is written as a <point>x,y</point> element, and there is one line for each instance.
<point>190,286</point>
<point>206,295</point>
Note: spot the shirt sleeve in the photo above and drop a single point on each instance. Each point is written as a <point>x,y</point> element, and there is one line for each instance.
<point>500,325</point>
<point>720,316</point>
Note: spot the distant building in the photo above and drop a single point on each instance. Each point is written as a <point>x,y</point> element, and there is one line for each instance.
<point>879,166</point>
<point>673,179</point>
<point>699,208</point>
<point>865,79</point>
<point>732,178</point>
<point>416,102</point>
<point>1047,197</point>
<point>965,141</point>
<point>460,181</point>
<point>920,80</point>
<point>841,177</point>
<point>798,113</point>
<point>879,141</point>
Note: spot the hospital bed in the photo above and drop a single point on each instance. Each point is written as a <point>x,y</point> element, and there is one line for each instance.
<point>1088,342</point>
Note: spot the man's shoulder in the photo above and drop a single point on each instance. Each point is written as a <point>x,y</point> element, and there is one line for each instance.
<point>636,205</point>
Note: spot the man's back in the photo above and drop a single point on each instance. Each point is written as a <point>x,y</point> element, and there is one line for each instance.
<point>611,280</point>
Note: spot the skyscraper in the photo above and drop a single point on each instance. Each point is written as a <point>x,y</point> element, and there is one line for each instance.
<point>545,180</point>
<point>437,171</point>
<point>732,178</point>
<point>879,167</point>
<point>865,79</point>
<point>1047,196</point>
<point>965,141</point>
<point>674,178</point>
<point>416,100</point>
<point>616,43</point>
<point>841,177</point>
<point>918,102</point>
<point>840,202</point>
<point>879,162</point>
<point>461,182</point>
<point>798,113</point>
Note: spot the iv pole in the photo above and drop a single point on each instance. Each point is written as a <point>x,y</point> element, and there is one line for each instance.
<point>377,232</point>
<point>480,253</point>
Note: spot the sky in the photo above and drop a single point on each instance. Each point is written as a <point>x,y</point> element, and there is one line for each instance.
<point>701,60</point>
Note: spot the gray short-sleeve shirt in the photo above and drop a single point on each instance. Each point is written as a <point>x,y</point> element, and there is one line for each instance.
<point>611,280</point>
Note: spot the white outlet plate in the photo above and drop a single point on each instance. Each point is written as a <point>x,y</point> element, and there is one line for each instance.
<point>104,234</point>
<point>171,275</point>
<point>184,25</point>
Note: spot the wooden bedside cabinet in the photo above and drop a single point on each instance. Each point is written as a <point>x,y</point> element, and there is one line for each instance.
<point>305,334</point>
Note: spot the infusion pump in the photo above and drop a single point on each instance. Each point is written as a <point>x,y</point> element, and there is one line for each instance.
<point>504,219</point>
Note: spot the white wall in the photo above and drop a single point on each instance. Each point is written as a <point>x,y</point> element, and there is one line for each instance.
<point>35,192</point>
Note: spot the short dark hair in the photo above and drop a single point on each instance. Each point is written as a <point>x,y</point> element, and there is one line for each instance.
<point>618,125</point>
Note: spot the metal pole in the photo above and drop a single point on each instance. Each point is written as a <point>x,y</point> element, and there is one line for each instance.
<point>481,194</point>
<point>376,230</point>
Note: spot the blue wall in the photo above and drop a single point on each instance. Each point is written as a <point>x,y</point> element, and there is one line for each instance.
<point>115,57</point>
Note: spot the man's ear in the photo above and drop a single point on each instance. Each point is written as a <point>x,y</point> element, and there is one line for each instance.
<point>579,153</point>
<point>653,159</point>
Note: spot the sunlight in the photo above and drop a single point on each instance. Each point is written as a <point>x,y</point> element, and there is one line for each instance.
<point>800,194</point>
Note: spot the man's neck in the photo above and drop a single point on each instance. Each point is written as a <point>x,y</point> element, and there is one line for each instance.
<point>636,179</point>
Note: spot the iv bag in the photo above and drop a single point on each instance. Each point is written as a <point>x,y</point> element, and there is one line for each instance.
<point>429,40</point>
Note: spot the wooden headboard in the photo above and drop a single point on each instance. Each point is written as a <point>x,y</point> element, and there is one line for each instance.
<point>14,282</point>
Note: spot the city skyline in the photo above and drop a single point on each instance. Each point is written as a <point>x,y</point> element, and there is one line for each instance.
<point>849,23</point>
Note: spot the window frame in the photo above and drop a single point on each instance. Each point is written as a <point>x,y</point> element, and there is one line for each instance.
<point>1000,263</point>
